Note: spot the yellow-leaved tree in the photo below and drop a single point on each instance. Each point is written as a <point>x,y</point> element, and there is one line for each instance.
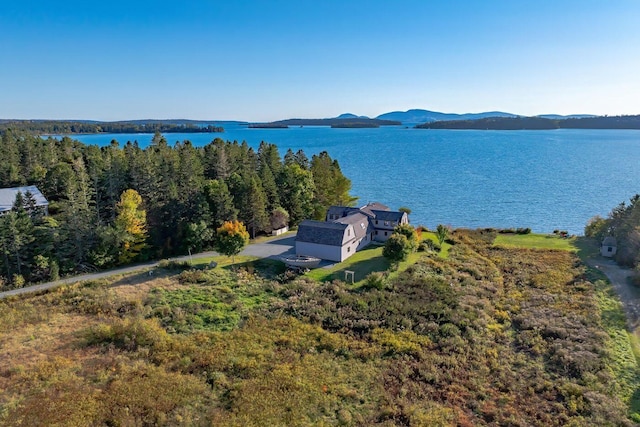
<point>131,222</point>
<point>231,237</point>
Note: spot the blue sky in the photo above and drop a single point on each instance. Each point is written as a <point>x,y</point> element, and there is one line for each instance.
<point>269,60</point>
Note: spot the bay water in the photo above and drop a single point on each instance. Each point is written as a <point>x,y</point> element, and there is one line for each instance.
<point>545,180</point>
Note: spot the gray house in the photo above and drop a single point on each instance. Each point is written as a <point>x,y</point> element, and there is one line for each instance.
<point>608,247</point>
<point>8,198</point>
<point>347,230</point>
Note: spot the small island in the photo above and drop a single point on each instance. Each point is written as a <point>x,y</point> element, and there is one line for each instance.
<point>267,126</point>
<point>352,125</point>
<point>349,122</point>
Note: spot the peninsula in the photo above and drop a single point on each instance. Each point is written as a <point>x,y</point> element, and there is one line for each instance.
<point>538,123</point>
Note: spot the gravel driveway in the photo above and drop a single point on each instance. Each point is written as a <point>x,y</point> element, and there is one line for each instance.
<point>628,294</point>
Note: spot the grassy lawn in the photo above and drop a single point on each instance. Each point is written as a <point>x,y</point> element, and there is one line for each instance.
<point>361,263</point>
<point>536,241</point>
<point>444,253</point>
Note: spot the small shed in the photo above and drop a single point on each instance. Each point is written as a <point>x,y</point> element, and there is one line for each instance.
<point>608,247</point>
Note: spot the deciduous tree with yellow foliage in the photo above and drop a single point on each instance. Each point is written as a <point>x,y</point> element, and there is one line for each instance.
<point>132,223</point>
<point>231,237</point>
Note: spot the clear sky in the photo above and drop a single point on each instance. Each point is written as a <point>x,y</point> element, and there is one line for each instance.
<point>269,60</point>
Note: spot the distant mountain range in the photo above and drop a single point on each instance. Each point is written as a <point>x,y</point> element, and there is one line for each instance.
<point>426,116</point>
<point>409,117</point>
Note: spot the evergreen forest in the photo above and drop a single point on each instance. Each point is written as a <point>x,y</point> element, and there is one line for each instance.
<point>114,205</point>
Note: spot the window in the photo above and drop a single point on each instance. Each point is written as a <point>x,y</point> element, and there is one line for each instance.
<point>376,232</point>
<point>609,249</point>
<point>386,223</point>
<point>385,233</point>
<point>348,232</point>
<point>376,222</point>
<point>348,249</point>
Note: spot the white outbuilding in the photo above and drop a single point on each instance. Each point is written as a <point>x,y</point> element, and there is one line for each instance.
<point>608,247</point>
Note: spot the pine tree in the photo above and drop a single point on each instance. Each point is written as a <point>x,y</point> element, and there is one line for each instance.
<point>256,216</point>
<point>220,202</point>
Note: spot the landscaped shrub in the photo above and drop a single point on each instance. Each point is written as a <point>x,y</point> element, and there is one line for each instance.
<point>376,280</point>
<point>430,245</point>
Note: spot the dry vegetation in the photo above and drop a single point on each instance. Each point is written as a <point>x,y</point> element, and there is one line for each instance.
<point>489,336</point>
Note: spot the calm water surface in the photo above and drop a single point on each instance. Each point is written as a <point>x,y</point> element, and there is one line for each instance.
<point>545,180</point>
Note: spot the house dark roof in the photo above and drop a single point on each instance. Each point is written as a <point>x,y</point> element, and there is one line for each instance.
<point>609,241</point>
<point>359,221</point>
<point>388,215</point>
<point>321,232</point>
<point>8,196</point>
<point>374,206</point>
<point>341,211</point>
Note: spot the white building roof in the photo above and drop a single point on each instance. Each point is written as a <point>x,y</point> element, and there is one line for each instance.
<point>8,196</point>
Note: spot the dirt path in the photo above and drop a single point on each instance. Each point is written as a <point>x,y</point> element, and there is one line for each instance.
<point>628,294</point>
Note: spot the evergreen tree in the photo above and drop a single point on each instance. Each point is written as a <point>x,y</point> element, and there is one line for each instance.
<point>297,191</point>
<point>269,185</point>
<point>78,221</point>
<point>255,215</point>
<point>10,165</point>
<point>331,186</point>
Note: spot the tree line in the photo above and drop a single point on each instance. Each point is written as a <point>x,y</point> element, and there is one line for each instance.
<point>623,223</point>
<point>538,123</point>
<point>112,205</point>
<point>65,127</point>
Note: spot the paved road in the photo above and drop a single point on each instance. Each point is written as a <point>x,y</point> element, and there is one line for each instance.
<point>274,249</point>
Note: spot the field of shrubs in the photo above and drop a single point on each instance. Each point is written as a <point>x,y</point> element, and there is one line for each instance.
<point>490,336</point>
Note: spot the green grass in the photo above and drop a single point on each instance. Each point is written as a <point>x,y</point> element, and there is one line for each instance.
<point>536,241</point>
<point>622,347</point>
<point>587,247</point>
<point>444,252</point>
<point>362,263</point>
<point>223,261</point>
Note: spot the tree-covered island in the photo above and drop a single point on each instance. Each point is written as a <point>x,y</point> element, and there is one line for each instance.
<point>537,123</point>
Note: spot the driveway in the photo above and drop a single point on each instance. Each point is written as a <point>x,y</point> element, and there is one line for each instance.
<point>629,295</point>
<point>274,249</point>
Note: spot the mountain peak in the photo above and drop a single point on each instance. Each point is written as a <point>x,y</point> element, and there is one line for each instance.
<point>350,116</point>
